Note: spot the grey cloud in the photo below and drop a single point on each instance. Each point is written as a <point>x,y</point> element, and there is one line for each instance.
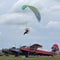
<point>57,0</point>
<point>14,18</point>
<point>53,24</point>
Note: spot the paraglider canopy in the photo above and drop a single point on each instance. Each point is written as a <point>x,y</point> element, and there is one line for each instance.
<point>35,11</point>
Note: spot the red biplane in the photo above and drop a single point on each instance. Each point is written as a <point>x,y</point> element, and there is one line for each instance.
<point>33,50</point>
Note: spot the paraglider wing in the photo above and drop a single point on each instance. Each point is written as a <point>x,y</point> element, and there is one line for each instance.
<point>34,9</point>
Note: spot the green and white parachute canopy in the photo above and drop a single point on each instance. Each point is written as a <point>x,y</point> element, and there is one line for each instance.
<point>35,11</point>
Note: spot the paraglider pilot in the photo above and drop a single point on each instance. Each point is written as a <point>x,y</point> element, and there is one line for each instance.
<point>26,31</point>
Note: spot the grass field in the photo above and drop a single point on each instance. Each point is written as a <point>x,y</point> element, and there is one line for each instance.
<point>30,58</point>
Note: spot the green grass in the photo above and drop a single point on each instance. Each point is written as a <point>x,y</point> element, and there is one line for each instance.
<point>30,58</point>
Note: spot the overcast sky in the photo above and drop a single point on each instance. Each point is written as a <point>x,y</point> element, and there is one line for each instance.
<point>13,22</point>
